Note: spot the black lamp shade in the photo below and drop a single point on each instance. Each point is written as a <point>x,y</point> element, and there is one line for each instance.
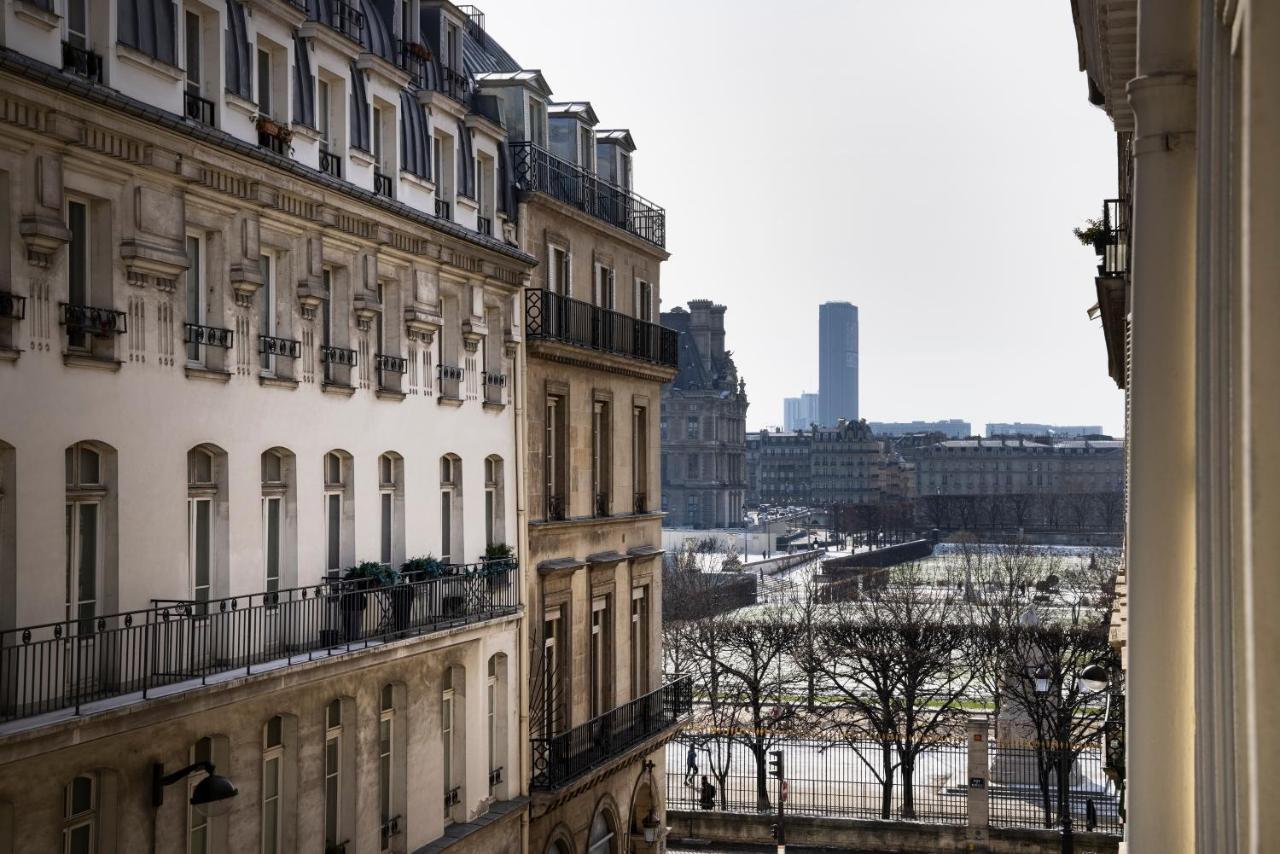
<point>212,789</point>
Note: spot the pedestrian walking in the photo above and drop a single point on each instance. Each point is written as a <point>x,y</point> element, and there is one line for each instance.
<point>708,801</point>
<point>691,765</point>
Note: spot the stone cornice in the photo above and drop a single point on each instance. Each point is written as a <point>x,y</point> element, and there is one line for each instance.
<point>596,360</point>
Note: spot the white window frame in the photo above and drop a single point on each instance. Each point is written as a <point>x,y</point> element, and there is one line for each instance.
<point>605,291</point>
<point>82,40</point>
<point>332,490</point>
<point>387,509</point>
<point>559,270</point>
<point>386,763</point>
<point>273,758</point>
<point>82,342</point>
<point>266,105</point>
<point>72,822</point>
<point>644,300</point>
<point>324,113</point>
<point>447,721</point>
<point>639,641</point>
<point>81,494</point>
<point>599,654</point>
<point>333,735</point>
<point>196,820</point>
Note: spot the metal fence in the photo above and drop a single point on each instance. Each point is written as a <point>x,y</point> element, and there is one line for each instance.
<point>825,777</point>
<point>1020,798</point>
<point>832,778</point>
<point>64,665</point>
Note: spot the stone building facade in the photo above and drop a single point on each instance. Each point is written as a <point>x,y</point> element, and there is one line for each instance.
<point>842,465</point>
<point>263,310</point>
<point>704,428</point>
<point>1186,293</point>
<point>1008,466</point>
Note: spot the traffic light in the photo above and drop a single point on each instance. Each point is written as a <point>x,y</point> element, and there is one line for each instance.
<point>775,764</point>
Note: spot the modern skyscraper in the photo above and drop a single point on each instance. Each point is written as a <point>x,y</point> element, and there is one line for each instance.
<point>837,362</point>
<point>799,413</point>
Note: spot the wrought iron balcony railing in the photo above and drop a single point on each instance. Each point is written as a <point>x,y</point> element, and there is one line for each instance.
<point>455,84</point>
<point>12,306</point>
<point>91,320</point>
<point>602,504</point>
<point>393,364</point>
<point>640,503</point>
<point>286,347</point>
<point>560,759</point>
<point>444,210</point>
<point>212,336</point>
<point>484,225</point>
<point>450,381</point>
<point>559,318</point>
<point>84,63</point>
<point>338,356</point>
<point>1113,245</point>
<point>415,58</point>
<point>64,665</point>
<point>382,184</point>
<point>555,508</point>
<point>343,16</point>
<point>493,384</point>
<point>538,170</point>
<point>331,163</point>
<point>197,108</point>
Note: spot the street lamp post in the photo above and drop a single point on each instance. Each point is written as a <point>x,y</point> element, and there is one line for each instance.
<point>1092,679</point>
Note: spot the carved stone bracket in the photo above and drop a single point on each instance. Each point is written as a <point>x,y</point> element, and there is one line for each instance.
<point>43,236</point>
<point>310,295</point>
<point>151,264</point>
<point>473,329</point>
<point>366,308</point>
<point>421,323</point>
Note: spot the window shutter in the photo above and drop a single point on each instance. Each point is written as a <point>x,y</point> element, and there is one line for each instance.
<point>413,136</point>
<point>239,68</point>
<point>148,26</point>
<point>304,85</point>
<point>359,111</point>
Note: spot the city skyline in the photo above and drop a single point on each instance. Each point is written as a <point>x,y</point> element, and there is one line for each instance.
<point>1007,312</point>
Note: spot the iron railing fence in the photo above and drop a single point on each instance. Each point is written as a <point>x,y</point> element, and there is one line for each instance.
<point>1114,248</point>
<point>563,757</point>
<point>825,777</point>
<point>213,336</point>
<point>1021,798</point>
<point>538,170</point>
<point>331,163</point>
<point>287,347</point>
<point>559,318</point>
<point>382,184</point>
<point>82,62</point>
<point>64,665</point>
<point>12,306</point>
<point>197,108</point>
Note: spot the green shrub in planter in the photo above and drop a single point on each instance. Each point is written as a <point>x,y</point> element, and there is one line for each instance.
<point>423,567</point>
<point>498,556</point>
<point>377,574</point>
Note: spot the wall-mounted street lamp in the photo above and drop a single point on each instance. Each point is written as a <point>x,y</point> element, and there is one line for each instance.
<point>211,796</point>
<point>650,824</point>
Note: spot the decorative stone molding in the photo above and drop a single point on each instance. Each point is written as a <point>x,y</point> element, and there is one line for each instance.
<point>155,253</point>
<point>366,308</point>
<point>43,230</point>
<point>33,14</point>
<point>422,323</point>
<point>245,269</point>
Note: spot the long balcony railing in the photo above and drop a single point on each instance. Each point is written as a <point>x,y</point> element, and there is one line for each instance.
<point>561,758</point>
<point>1113,246</point>
<point>559,318</point>
<point>538,170</point>
<point>65,665</point>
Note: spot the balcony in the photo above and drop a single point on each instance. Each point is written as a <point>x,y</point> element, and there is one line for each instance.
<point>390,364</point>
<point>1112,245</point>
<point>555,508</point>
<point>382,184</point>
<point>197,109</point>
<point>12,306</point>
<point>65,665</point>
<point>484,225</point>
<point>208,336</point>
<point>331,163</point>
<point>444,210</point>
<point>561,759</point>
<point>601,505</point>
<point>343,16</point>
<point>415,58</point>
<point>553,317</point>
<point>455,84</point>
<point>92,321</point>
<point>493,383</point>
<point>338,356</point>
<point>539,171</point>
<point>82,62</point>
<point>287,347</point>
<point>450,382</point>
<point>640,503</point>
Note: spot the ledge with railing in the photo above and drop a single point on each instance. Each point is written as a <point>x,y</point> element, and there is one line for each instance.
<point>538,170</point>
<point>343,16</point>
<point>82,62</point>
<point>450,381</point>
<point>65,665</point>
<point>444,210</point>
<point>211,336</point>
<point>382,184</point>
<point>91,320</point>
<point>555,317</point>
<point>493,383</point>
<point>455,84</point>
<point>331,163</point>
<point>287,347</point>
<point>12,306</point>
<point>338,356</point>
<point>391,364</point>
<point>415,58</point>
<point>560,759</point>
<point>197,108</point>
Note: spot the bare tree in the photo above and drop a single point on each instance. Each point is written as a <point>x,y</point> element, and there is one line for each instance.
<point>894,656</point>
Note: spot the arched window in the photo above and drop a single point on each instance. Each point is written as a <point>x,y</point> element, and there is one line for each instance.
<point>494,516</point>
<point>279,784</point>
<point>603,837</point>
<point>279,520</point>
<point>451,547</point>
<point>339,512</point>
<point>392,770</point>
<point>90,524</point>
<point>391,508</point>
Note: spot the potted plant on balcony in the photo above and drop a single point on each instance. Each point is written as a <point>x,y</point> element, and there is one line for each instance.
<point>419,51</point>
<point>1094,233</point>
<point>354,597</point>
<point>422,568</point>
<point>267,126</point>
<point>497,557</point>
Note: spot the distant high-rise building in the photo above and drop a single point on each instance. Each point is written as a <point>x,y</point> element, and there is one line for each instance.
<point>1018,428</point>
<point>837,363</point>
<point>799,413</point>
<point>952,428</point>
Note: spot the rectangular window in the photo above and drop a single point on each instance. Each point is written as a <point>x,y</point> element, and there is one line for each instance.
<point>83,562</point>
<point>267,308</point>
<point>558,272</point>
<point>694,473</point>
<point>197,820</point>
<point>333,773</point>
<point>644,301</point>
<point>272,774</point>
<point>555,458</point>
<point>322,113</point>
<point>446,743</point>
<point>195,293</point>
<point>326,323</point>
<point>640,457</point>
<point>385,539</point>
<point>446,525</point>
<point>600,654</point>
<point>198,546</point>
<point>79,814</point>
<point>386,767</point>
<point>271,542</point>
<point>601,457</point>
<point>333,531</point>
<point>604,287</point>
<point>78,23</point>
<point>537,123</point>
<point>691,427</point>
<point>78,264</point>
<point>551,672</point>
<point>491,706</point>
<point>194,55</point>
<point>639,642</point>
<point>586,149</point>
<point>376,129</point>
<point>264,83</point>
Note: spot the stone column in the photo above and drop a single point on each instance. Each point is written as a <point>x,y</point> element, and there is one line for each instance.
<point>1162,445</point>
<point>978,783</point>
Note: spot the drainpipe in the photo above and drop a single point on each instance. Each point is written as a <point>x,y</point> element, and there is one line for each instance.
<point>1161,532</point>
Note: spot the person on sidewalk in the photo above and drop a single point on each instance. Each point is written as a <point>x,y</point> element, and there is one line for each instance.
<point>708,801</point>
<point>691,765</point>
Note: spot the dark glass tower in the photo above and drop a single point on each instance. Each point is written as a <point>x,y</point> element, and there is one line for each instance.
<point>837,362</point>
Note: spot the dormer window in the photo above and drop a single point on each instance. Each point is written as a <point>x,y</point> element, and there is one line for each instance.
<point>451,46</point>
<point>586,149</point>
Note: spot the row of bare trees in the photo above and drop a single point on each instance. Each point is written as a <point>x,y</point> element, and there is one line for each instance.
<point>890,671</point>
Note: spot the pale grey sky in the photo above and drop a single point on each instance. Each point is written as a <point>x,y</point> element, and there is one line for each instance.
<point>925,161</point>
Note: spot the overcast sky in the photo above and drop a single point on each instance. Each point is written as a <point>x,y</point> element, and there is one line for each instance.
<point>925,161</point>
